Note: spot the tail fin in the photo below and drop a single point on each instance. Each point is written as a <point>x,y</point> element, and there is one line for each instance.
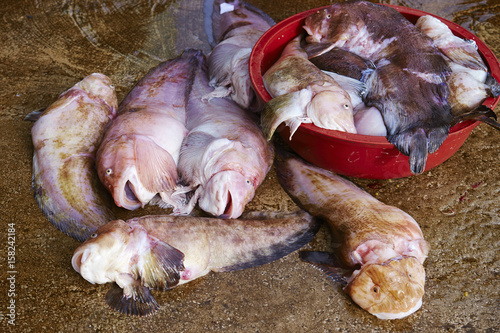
<point>417,143</point>
<point>493,85</point>
<point>482,113</point>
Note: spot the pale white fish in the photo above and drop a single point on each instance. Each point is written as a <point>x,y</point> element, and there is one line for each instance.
<point>225,156</point>
<point>369,121</point>
<point>329,107</point>
<point>233,28</point>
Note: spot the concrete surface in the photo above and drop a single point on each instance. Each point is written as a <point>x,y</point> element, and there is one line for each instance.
<point>47,46</point>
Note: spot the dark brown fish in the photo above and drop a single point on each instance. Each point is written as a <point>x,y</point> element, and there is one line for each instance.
<point>408,84</point>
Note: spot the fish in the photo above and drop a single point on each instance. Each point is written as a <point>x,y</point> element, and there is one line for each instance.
<point>409,82</point>
<point>165,251</point>
<point>137,159</point>
<point>369,121</point>
<point>381,249</point>
<point>302,93</point>
<point>224,157</point>
<point>65,138</point>
<point>470,81</point>
<point>233,28</point>
<point>339,61</point>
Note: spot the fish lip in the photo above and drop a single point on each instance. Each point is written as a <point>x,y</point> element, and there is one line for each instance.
<point>78,258</point>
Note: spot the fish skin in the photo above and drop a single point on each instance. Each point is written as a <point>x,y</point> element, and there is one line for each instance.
<point>470,82</point>
<point>65,139</point>
<point>138,157</point>
<point>163,251</point>
<point>327,106</point>
<point>225,156</point>
<point>234,29</point>
<point>417,119</point>
<point>338,60</point>
<point>377,241</point>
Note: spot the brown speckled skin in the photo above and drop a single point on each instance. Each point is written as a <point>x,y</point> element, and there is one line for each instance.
<point>354,216</point>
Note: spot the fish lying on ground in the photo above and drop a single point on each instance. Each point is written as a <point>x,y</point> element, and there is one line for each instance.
<point>161,252</point>
<point>302,93</point>
<point>470,82</point>
<point>233,27</point>
<point>65,138</point>
<point>381,247</point>
<point>225,156</point>
<point>138,157</point>
<point>408,84</point>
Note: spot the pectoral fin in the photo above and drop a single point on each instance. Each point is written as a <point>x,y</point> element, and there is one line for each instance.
<point>283,108</point>
<point>140,303</point>
<point>156,168</point>
<point>328,264</point>
<point>160,267</point>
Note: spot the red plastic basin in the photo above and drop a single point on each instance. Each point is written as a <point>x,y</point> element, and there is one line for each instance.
<point>350,154</point>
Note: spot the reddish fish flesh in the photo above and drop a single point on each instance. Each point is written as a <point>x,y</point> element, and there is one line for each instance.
<point>225,157</point>
<point>161,252</point>
<point>234,26</point>
<point>381,250</point>
<point>138,157</point>
<point>65,140</point>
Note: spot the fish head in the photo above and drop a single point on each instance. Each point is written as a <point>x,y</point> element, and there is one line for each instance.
<point>101,256</point>
<point>317,25</point>
<point>226,194</point>
<point>332,109</point>
<point>391,290</point>
<point>116,167</point>
<point>99,86</point>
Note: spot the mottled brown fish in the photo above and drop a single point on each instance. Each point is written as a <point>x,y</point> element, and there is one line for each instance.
<point>381,248</point>
<point>65,139</point>
<point>408,84</point>
<point>161,252</point>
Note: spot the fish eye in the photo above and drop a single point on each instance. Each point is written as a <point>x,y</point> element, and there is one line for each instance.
<point>248,182</point>
<point>112,86</point>
<point>94,235</point>
<point>328,16</point>
<point>346,106</point>
<point>109,171</point>
<point>375,289</point>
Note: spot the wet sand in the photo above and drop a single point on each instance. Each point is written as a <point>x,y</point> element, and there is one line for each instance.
<point>50,46</point>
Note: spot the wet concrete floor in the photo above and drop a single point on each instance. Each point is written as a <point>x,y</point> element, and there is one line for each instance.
<point>47,46</point>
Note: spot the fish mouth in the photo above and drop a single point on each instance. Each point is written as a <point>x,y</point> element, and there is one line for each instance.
<point>125,196</point>
<point>228,210</point>
<point>78,259</point>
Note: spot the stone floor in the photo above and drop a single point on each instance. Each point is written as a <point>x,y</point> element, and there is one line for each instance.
<point>48,46</point>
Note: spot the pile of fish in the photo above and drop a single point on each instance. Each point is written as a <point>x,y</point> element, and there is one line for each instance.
<point>414,81</point>
<point>187,134</point>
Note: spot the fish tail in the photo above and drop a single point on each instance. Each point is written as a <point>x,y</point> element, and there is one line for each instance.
<point>493,85</point>
<point>481,113</point>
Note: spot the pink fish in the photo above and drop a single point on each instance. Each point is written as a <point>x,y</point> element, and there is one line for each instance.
<point>65,140</point>
<point>225,157</point>
<point>138,157</point>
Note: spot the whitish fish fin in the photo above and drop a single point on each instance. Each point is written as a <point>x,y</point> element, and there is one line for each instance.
<point>156,168</point>
<point>327,263</point>
<point>34,115</point>
<point>283,108</point>
<point>317,49</point>
<point>348,83</point>
<point>470,60</point>
<point>220,61</point>
<point>493,85</point>
<point>160,267</point>
<point>141,303</point>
